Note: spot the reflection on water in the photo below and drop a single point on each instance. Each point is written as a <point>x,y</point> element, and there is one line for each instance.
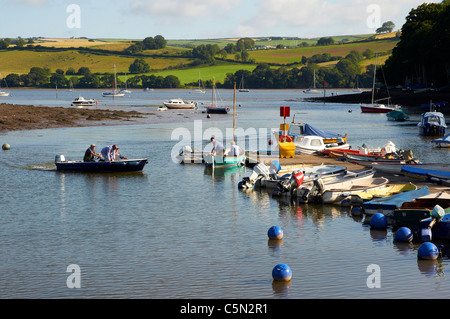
<point>185,231</point>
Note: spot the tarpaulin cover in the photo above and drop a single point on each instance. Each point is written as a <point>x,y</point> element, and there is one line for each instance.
<point>310,130</point>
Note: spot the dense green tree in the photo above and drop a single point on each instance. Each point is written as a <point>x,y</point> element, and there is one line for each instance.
<point>58,80</point>
<point>84,71</point>
<point>325,41</point>
<point>139,66</point>
<point>4,43</point>
<point>386,27</point>
<point>13,79</point>
<point>421,55</point>
<point>71,71</point>
<point>20,42</point>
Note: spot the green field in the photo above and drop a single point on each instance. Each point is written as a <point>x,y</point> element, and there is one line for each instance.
<point>20,62</point>
<point>206,73</point>
<point>172,59</point>
<point>288,56</point>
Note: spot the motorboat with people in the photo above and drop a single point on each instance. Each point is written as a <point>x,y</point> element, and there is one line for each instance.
<point>122,165</point>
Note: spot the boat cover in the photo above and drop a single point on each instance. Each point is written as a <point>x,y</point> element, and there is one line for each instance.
<point>444,140</point>
<point>397,115</point>
<point>310,130</point>
<point>394,201</point>
<point>423,171</point>
<point>433,118</point>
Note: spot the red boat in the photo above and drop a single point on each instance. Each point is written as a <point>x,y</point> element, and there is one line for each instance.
<point>378,108</point>
<point>340,152</point>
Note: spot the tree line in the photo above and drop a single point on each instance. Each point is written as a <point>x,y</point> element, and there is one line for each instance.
<point>422,56</point>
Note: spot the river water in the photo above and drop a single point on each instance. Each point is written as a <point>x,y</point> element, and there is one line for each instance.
<point>183,231</point>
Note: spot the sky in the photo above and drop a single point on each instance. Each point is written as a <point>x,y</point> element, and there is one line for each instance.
<point>198,19</point>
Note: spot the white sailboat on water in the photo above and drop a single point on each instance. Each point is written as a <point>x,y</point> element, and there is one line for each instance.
<point>115,92</point>
<point>3,93</point>
<point>125,90</point>
<point>241,86</point>
<point>312,90</point>
<point>201,89</point>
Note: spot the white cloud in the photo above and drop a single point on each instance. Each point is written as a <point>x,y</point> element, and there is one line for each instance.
<point>181,9</point>
<point>328,16</point>
<point>34,3</point>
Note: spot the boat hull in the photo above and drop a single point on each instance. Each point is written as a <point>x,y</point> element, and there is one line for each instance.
<point>226,161</point>
<point>133,165</point>
<point>386,205</point>
<point>217,110</point>
<point>376,108</point>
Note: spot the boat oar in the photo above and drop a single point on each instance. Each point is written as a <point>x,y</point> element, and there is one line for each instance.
<point>436,215</point>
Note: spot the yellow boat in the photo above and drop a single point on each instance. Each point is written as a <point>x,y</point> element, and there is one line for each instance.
<point>383,192</point>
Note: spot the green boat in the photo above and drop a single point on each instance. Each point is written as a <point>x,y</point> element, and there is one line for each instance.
<point>224,161</point>
<point>411,213</point>
<point>397,115</point>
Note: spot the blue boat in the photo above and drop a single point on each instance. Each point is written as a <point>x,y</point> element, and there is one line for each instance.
<point>386,205</point>
<point>423,172</point>
<point>441,229</point>
<point>129,165</point>
<point>217,110</point>
<point>432,124</point>
<point>443,141</point>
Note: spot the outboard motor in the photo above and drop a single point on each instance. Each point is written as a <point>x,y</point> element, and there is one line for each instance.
<point>289,186</point>
<point>313,194</point>
<point>60,158</point>
<point>259,171</point>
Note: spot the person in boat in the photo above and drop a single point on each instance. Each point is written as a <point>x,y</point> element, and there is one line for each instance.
<point>109,153</point>
<point>235,150</point>
<point>218,148</point>
<point>89,155</point>
<point>118,155</point>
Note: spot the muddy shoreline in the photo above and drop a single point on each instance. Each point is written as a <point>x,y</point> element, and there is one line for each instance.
<point>28,117</point>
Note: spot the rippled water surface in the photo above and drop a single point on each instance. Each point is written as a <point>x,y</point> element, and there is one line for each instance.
<point>175,231</point>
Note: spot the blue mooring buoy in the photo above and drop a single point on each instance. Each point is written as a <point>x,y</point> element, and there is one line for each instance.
<point>378,220</point>
<point>275,232</point>
<point>428,251</point>
<point>282,272</point>
<point>403,234</point>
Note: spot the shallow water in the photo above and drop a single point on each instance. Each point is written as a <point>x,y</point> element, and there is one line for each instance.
<point>183,231</point>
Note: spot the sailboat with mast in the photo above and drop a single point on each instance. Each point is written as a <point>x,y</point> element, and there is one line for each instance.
<point>376,107</point>
<point>214,108</point>
<point>241,86</point>
<point>4,93</point>
<point>201,88</point>
<point>114,92</point>
<point>312,90</point>
<point>125,90</point>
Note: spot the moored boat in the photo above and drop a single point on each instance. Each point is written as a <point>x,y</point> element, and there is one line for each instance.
<point>81,101</point>
<point>128,165</point>
<point>312,144</point>
<point>386,205</point>
<point>421,171</point>
<point>432,124</point>
<point>397,115</point>
<point>442,142</point>
<point>180,104</point>
<point>313,190</point>
<point>409,214</point>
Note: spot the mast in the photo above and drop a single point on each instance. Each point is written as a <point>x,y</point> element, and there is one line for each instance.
<point>374,73</point>
<point>234,111</point>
